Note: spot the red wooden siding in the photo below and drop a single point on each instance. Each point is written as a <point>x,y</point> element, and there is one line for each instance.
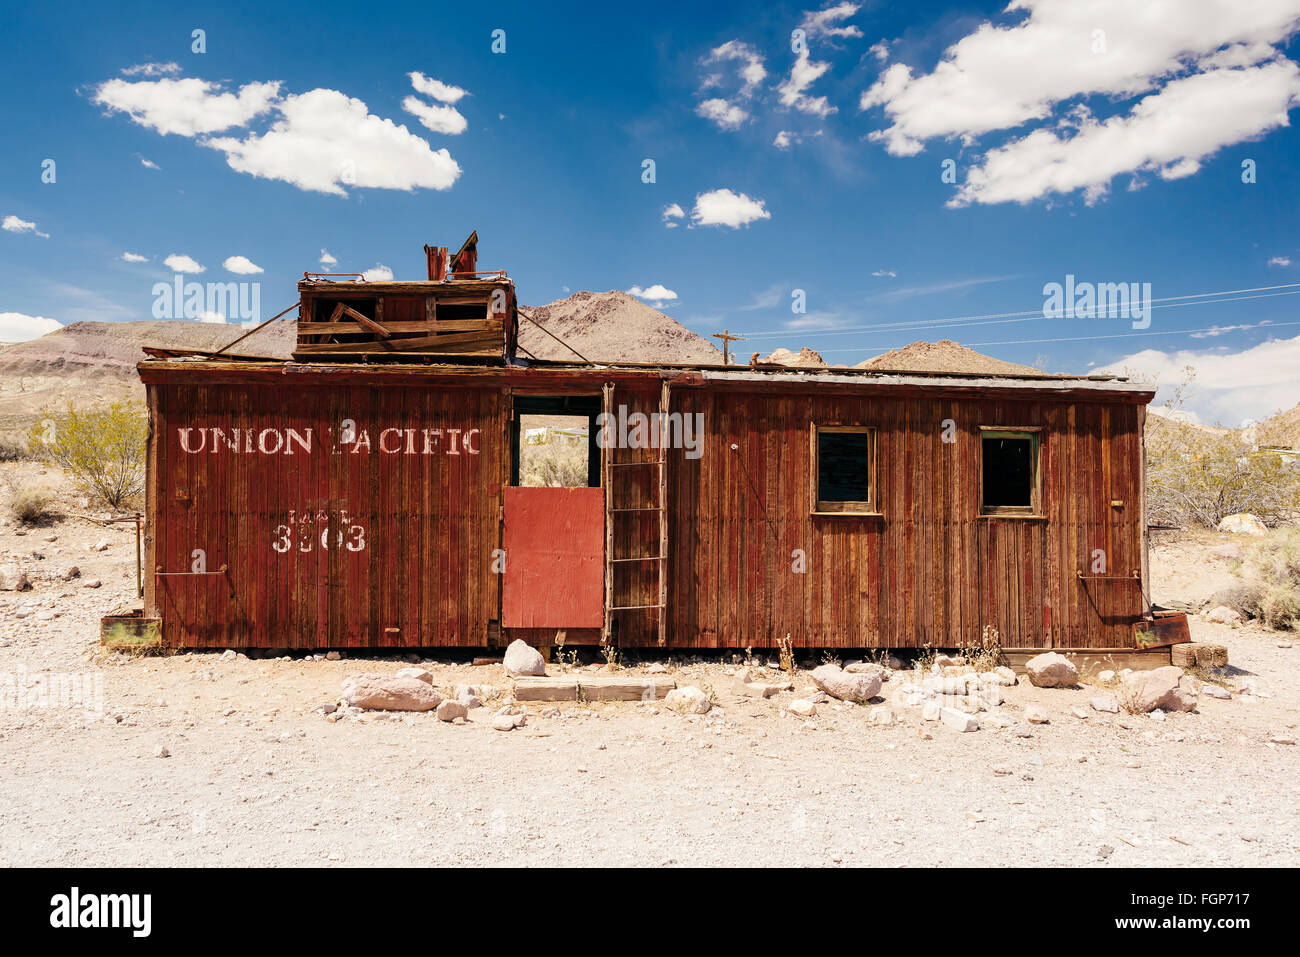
<point>928,569</point>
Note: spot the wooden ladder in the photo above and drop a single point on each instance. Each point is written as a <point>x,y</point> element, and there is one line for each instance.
<point>611,468</point>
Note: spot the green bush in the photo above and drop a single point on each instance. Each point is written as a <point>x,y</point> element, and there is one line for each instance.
<point>101,450</point>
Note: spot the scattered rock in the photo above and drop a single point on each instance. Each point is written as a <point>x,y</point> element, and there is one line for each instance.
<point>389,693</point>
<point>998,719</point>
<point>1105,702</point>
<point>1281,739</point>
<point>882,716</point>
<point>1157,715</point>
<point>1243,524</point>
<point>419,674</point>
<point>1035,715</point>
<point>13,578</point>
<point>91,583</point>
<point>656,668</point>
<point>503,722</point>
<point>931,709</point>
<point>1052,670</point>
<point>804,709</point>
<point>1008,676</point>
<point>1165,688</point>
<point>846,686</point>
<point>70,573</point>
<point>522,659</point>
<point>160,751</point>
<point>332,656</point>
<point>450,710</point>
<point>959,720</point>
<point>1223,615</point>
<point>1215,691</point>
<point>100,546</point>
<point>688,700</point>
<point>1105,677</point>
<point>1002,770</point>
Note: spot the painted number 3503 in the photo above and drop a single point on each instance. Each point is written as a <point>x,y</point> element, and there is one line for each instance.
<point>307,534</point>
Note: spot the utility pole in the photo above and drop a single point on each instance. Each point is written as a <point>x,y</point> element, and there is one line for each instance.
<point>727,339</point>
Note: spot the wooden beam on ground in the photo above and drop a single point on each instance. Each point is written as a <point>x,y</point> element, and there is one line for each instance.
<point>594,688</point>
<point>1199,654</point>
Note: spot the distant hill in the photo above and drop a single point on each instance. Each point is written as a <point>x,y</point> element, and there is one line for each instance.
<point>1281,429</point>
<point>611,327</point>
<point>92,363</point>
<point>805,358</point>
<point>945,356</point>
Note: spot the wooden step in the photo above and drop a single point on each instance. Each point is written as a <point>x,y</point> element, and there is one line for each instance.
<point>594,688</point>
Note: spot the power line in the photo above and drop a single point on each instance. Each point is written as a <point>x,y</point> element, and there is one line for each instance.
<point>1032,315</point>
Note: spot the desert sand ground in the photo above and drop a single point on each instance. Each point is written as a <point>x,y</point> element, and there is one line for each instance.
<point>256,774</point>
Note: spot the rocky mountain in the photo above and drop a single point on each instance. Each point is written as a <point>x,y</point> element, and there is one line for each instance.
<point>611,326</point>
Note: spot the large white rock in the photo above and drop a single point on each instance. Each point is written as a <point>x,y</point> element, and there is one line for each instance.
<point>1243,524</point>
<point>803,708</point>
<point>419,674</point>
<point>959,720</point>
<point>522,659</point>
<point>1052,670</point>
<point>688,700</point>
<point>450,710</point>
<point>1223,615</point>
<point>1165,689</point>
<point>389,693</point>
<point>1105,702</point>
<point>13,578</point>
<point>839,683</point>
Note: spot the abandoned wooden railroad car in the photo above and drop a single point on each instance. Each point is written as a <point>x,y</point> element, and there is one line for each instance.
<point>376,496</point>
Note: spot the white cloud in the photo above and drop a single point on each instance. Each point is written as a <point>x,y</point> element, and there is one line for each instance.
<point>148,163</point>
<point>134,258</point>
<point>822,23</point>
<point>802,75</point>
<point>672,212</point>
<point>726,115</point>
<point>880,51</point>
<point>12,224</point>
<point>17,327</point>
<point>241,265</point>
<point>656,295</point>
<point>378,273</point>
<point>209,316</point>
<point>177,262</point>
<point>1282,261</point>
<point>783,139</point>
<point>326,259</point>
<point>440,119</point>
<point>443,92</point>
<point>325,140</point>
<point>1169,133</point>
<point>751,71</point>
<point>885,274</point>
<point>1001,77</point>
<point>1229,386</point>
<point>320,141</point>
<point>722,207</point>
<point>186,107</point>
<point>152,69</point>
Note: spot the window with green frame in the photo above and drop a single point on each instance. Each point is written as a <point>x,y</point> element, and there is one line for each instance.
<point>1010,483</point>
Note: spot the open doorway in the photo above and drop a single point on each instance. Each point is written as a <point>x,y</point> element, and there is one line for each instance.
<point>554,442</point>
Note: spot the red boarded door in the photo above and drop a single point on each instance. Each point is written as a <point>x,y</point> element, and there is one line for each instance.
<point>555,558</point>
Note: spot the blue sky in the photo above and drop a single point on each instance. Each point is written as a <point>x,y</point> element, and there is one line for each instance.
<point>1083,140</point>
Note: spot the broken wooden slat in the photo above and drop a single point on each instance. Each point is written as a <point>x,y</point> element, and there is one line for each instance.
<point>375,327</point>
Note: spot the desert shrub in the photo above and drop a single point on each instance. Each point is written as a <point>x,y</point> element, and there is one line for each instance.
<point>559,463</point>
<point>1270,580</point>
<point>26,504</point>
<point>1198,476</point>
<point>11,451</point>
<point>101,450</point>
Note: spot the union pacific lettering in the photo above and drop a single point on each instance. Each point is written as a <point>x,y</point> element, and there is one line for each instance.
<point>273,441</point>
